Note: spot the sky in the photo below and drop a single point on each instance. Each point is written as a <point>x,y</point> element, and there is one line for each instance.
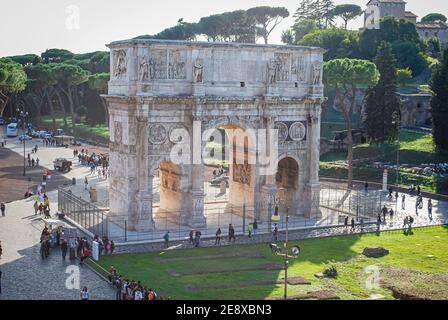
<point>29,26</point>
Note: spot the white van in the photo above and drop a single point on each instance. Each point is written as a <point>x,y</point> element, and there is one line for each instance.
<point>11,130</point>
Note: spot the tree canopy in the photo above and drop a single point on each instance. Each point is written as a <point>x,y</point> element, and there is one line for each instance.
<point>12,80</point>
<point>346,12</point>
<point>434,17</point>
<point>267,18</point>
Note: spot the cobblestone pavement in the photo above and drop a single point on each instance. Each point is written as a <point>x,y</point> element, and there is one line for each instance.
<point>25,275</point>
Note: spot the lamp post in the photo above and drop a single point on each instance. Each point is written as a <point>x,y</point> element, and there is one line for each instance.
<point>276,218</point>
<point>23,115</point>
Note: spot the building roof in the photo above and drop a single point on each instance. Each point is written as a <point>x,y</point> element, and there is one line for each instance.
<point>388,1</point>
<point>410,14</point>
<point>431,25</point>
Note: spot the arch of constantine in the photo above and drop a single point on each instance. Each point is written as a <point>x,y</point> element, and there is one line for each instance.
<point>163,94</point>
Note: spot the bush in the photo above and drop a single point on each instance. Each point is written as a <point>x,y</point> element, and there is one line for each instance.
<point>331,271</point>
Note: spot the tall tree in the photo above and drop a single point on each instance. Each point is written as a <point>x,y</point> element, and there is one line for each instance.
<point>347,12</point>
<point>345,75</point>
<point>268,18</point>
<point>439,103</point>
<point>299,30</point>
<point>98,82</point>
<point>68,78</point>
<point>318,10</point>
<point>434,17</point>
<point>12,80</point>
<point>381,103</point>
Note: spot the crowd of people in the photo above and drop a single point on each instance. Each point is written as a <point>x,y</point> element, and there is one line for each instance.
<point>126,289</point>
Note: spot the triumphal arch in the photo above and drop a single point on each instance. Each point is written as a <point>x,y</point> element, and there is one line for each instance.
<point>165,95</point>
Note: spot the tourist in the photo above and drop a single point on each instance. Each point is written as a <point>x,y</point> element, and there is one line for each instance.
<point>405,221</point>
<point>86,183</point>
<point>84,294</point>
<point>390,192</point>
<point>112,246</point>
<point>352,222</point>
<point>191,236</point>
<point>152,295</point>
<point>366,186</point>
<point>36,207</point>
<point>429,208</point>
<point>391,214</point>
<point>346,222</point>
<point>275,232</point>
<point>41,208</point>
<point>197,238</point>
<point>396,195</point>
<point>3,208</point>
<point>33,162</point>
<point>218,237</point>
<point>403,201</point>
<point>118,290</point>
<point>138,294</point>
<point>85,254</point>
<point>37,162</point>
<point>384,210</point>
<point>418,190</point>
<point>255,227</point>
<point>362,224</point>
<point>64,248</point>
<point>231,233</point>
<point>378,220</point>
<point>166,237</point>
<point>249,230</point>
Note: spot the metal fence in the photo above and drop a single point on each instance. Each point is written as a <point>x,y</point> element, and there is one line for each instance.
<point>336,202</point>
<point>82,212</point>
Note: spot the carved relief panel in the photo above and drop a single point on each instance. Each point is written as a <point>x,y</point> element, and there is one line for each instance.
<point>298,67</point>
<point>120,63</point>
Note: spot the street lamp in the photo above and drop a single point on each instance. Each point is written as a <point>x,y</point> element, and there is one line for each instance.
<point>295,250</point>
<point>23,115</point>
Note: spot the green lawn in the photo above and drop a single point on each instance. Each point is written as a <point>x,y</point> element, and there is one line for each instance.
<point>425,250</point>
<point>415,149</point>
<point>83,130</point>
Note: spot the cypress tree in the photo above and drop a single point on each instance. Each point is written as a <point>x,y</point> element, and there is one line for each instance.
<point>381,103</point>
<point>439,104</point>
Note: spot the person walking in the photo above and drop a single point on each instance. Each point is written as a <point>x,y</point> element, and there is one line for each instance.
<point>352,222</point>
<point>197,238</point>
<point>391,214</point>
<point>346,222</point>
<point>112,246</point>
<point>64,248</point>
<point>166,237</point>
<point>231,233</point>
<point>275,233</point>
<point>218,237</point>
<point>255,227</point>
<point>36,207</point>
<point>3,208</point>
<point>250,229</point>
<point>384,210</point>
<point>84,294</point>
<point>86,183</point>
<point>366,187</point>
<point>403,201</point>
<point>430,208</point>
<point>191,236</point>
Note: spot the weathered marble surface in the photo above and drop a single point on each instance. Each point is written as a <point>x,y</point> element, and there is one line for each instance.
<point>160,86</point>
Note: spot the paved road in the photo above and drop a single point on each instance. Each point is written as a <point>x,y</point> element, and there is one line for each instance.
<point>25,275</point>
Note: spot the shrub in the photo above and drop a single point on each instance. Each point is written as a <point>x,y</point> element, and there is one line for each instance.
<point>331,271</point>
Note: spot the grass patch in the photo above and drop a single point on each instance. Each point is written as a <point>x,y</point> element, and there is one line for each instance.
<point>344,253</point>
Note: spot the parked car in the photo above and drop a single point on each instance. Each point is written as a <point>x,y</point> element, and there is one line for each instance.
<point>24,137</point>
<point>33,133</point>
<point>47,136</point>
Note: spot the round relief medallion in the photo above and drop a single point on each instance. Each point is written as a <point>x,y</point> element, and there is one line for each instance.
<point>178,133</point>
<point>157,134</point>
<point>282,130</point>
<point>297,131</point>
